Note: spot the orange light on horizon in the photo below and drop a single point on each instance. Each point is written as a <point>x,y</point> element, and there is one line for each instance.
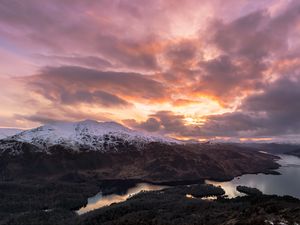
<point>255,139</point>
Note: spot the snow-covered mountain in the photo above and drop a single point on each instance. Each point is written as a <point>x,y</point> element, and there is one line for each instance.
<point>88,134</point>
<point>7,132</point>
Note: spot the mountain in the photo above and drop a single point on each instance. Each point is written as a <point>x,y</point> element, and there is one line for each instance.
<point>108,150</point>
<point>88,135</point>
<point>56,167</point>
<point>6,132</point>
<point>273,148</point>
<point>295,152</point>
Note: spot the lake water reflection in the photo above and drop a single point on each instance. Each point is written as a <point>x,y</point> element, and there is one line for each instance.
<point>288,183</point>
<point>99,200</point>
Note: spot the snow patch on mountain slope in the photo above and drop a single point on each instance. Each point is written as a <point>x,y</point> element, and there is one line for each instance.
<point>88,134</point>
<point>7,132</point>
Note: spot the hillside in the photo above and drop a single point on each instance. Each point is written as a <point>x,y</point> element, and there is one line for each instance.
<point>157,162</point>
<point>295,152</point>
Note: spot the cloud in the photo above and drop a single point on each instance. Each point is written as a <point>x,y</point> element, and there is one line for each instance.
<point>150,125</point>
<point>167,61</point>
<point>166,122</point>
<point>61,114</point>
<point>246,47</point>
<point>181,54</point>
<point>273,112</point>
<point>93,86</point>
<point>39,119</point>
<point>236,124</point>
<point>94,62</point>
<point>86,28</point>
<point>97,97</point>
<point>258,34</point>
<point>224,77</point>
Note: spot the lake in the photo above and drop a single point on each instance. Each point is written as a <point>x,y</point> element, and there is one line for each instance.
<point>99,200</point>
<point>288,183</point>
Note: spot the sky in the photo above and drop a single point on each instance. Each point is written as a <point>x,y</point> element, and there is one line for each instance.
<point>193,69</point>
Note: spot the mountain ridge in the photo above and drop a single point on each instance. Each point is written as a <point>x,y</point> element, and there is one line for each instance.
<point>89,135</point>
<point>108,150</point>
<point>7,132</point>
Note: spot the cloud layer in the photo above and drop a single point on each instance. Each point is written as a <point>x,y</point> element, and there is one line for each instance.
<point>198,69</point>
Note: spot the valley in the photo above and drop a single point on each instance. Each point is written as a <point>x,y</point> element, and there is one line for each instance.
<point>48,173</point>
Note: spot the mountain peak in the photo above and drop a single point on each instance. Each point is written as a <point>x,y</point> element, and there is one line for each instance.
<point>87,134</point>
<point>88,122</point>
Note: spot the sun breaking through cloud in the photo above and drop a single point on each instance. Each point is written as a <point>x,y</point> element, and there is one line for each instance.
<point>191,70</point>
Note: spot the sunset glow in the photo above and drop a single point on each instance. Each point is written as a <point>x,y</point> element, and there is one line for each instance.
<point>189,69</point>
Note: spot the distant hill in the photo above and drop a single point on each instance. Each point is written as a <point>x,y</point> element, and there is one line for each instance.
<point>273,148</point>
<point>295,152</point>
